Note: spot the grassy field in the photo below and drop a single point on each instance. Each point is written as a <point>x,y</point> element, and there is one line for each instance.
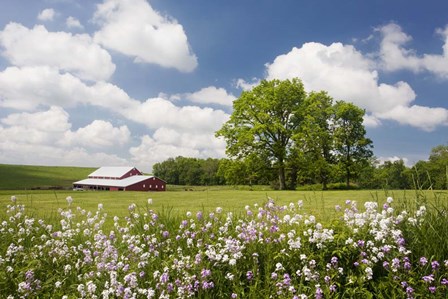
<point>44,203</point>
<point>26,177</point>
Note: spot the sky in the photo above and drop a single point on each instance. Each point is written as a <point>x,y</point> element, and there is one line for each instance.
<point>135,82</point>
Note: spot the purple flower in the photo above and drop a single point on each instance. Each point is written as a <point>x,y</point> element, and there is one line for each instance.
<point>334,261</point>
<point>356,264</point>
<point>333,288</point>
<point>205,273</point>
<point>409,291</point>
<point>249,275</point>
<point>435,265</point>
<point>386,265</point>
<point>432,289</point>
<point>165,234</point>
<point>319,293</point>
<point>233,296</point>
<point>428,278</point>
<point>407,265</point>
<point>361,243</point>
<point>423,261</point>
<point>444,282</point>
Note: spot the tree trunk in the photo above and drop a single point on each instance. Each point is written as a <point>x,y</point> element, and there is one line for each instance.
<point>281,177</point>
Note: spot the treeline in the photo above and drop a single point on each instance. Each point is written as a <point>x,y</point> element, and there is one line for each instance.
<point>432,173</point>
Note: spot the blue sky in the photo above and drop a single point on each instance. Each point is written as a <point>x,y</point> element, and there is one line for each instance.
<point>134,82</point>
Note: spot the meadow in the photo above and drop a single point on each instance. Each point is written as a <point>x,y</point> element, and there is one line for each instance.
<point>223,243</point>
<point>218,242</point>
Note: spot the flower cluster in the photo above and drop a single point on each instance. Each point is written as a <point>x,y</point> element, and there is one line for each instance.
<point>271,250</point>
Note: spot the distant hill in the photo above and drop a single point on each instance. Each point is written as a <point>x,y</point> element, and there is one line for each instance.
<point>20,177</point>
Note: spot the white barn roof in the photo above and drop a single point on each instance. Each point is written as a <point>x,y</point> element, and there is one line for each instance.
<point>113,172</point>
<point>114,183</point>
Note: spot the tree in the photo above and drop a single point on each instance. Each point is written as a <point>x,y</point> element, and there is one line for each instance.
<point>314,140</point>
<point>263,122</point>
<point>352,147</point>
<point>438,166</point>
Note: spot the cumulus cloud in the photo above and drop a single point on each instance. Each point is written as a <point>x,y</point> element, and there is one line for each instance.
<point>209,95</point>
<point>394,159</point>
<point>45,138</point>
<point>27,88</point>
<point>77,54</point>
<point>73,22</point>
<point>348,75</point>
<point>186,118</point>
<point>167,143</point>
<point>98,134</point>
<point>246,86</point>
<point>394,56</point>
<point>135,29</point>
<point>46,14</point>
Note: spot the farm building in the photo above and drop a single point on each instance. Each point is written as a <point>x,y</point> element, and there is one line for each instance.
<point>120,179</point>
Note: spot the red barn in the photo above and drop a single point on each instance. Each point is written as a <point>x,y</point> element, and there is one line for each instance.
<point>120,179</point>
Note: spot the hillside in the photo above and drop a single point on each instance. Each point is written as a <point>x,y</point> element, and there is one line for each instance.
<point>20,177</point>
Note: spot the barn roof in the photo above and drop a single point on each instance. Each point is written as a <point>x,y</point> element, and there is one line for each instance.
<point>114,183</point>
<point>113,172</point>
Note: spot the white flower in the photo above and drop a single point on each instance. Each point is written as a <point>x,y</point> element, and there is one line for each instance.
<point>218,210</point>
<point>100,206</point>
<point>13,198</point>
<point>389,199</point>
<point>149,201</point>
<point>69,200</point>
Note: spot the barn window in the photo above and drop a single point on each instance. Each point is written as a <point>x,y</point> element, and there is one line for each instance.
<point>150,186</point>
<point>162,186</point>
<point>144,186</point>
<point>157,187</point>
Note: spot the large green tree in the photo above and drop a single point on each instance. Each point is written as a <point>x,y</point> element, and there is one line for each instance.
<point>314,138</point>
<point>353,148</point>
<point>264,120</point>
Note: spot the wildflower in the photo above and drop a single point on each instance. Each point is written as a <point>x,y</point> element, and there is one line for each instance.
<point>218,210</point>
<point>100,206</point>
<point>428,278</point>
<point>149,201</point>
<point>432,289</point>
<point>369,273</point>
<point>435,265</point>
<point>233,296</point>
<point>249,275</point>
<point>389,200</point>
<point>13,199</point>
<point>69,200</point>
<point>423,261</point>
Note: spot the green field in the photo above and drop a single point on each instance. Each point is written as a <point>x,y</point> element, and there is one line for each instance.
<point>19,180</point>
<point>45,203</point>
<point>26,177</point>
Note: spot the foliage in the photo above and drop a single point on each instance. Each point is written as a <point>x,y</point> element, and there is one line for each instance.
<point>189,171</point>
<point>305,136</point>
<point>270,251</point>
<point>263,121</point>
<point>353,148</point>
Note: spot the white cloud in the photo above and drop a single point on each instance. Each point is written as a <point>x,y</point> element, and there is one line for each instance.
<point>98,134</point>
<point>246,86</point>
<point>394,159</point>
<point>77,53</point>
<point>209,95</point>
<point>425,118</point>
<point>158,112</point>
<point>27,88</point>
<point>348,75</point>
<point>73,22</point>
<point>135,29</point>
<point>46,14</point>
<point>394,56</point>
<point>167,143</point>
<point>44,138</point>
